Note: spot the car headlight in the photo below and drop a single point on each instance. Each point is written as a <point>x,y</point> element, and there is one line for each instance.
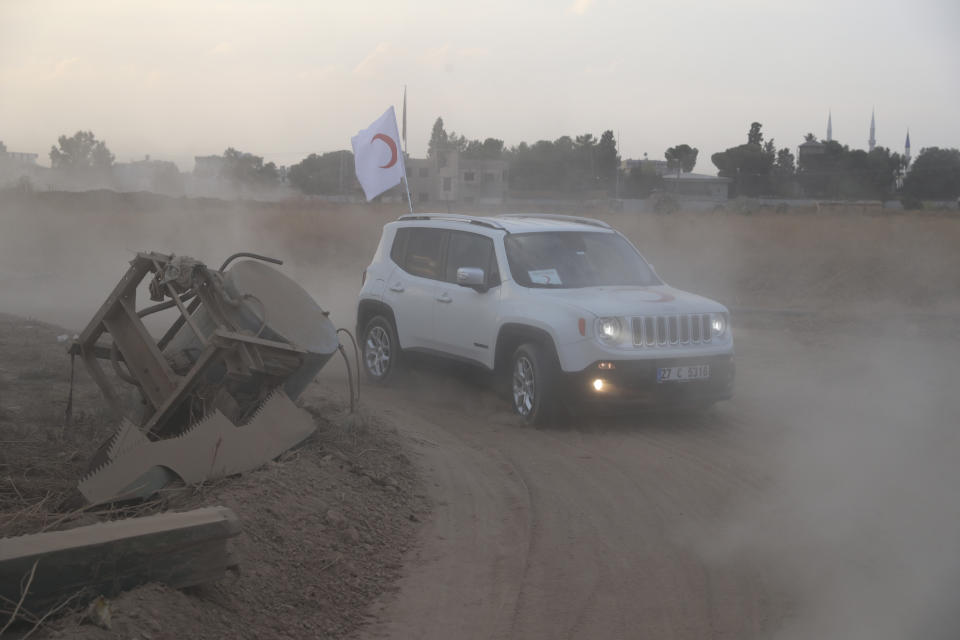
<point>609,329</point>
<point>719,323</point>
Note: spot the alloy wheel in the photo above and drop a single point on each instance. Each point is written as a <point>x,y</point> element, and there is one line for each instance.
<point>524,386</point>
<point>376,352</point>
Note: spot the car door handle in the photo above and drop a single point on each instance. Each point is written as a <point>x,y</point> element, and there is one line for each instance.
<point>397,286</point>
<point>444,297</point>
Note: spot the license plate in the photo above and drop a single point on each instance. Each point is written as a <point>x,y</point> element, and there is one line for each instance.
<point>683,374</point>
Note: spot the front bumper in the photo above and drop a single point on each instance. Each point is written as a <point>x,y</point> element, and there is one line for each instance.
<point>633,383</point>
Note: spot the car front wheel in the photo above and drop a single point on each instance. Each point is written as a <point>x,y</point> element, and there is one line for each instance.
<point>381,350</point>
<point>533,384</point>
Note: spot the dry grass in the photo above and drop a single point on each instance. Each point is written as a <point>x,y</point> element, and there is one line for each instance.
<point>836,259</point>
<point>801,258</point>
<point>41,457</point>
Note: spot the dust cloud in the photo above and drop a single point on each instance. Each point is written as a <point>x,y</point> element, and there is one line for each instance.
<point>859,522</point>
<point>62,253</point>
<point>859,519</point>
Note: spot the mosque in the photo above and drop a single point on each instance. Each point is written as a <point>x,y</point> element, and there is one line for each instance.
<point>872,142</point>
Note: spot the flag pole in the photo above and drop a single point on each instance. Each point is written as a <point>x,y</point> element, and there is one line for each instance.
<point>407,185</point>
<point>404,136</point>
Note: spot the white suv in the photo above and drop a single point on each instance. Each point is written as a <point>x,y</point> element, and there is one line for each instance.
<point>565,307</point>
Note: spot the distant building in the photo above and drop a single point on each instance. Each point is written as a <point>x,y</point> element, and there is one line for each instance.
<point>17,158</point>
<point>458,179</point>
<point>158,176</point>
<point>809,149</point>
<point>697,186</point>
<point>207,166</point>
<point>652,167</point>
<point>17,166</point>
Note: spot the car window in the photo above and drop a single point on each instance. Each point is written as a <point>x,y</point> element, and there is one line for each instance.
<point>567,259</point>
<point>471,250</point>
<point>423,253</point>
<point>399,245</point>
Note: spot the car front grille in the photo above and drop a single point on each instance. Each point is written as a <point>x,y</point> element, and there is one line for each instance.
<point>663,331</point>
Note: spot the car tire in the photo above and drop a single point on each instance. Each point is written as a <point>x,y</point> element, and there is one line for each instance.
<point>380,350</point>
<point>533,384</point>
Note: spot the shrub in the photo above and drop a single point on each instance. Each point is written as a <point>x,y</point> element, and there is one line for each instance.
<point>911,203</point>
<point>665,203</point>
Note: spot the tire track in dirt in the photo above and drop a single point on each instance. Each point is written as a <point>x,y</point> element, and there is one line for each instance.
<point>606,522</point>
<point>466,574</point>
<point>718,591</point>
<point>658,563</point>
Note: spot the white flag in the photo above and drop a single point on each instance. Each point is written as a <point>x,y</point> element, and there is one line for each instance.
<point>377,155</point>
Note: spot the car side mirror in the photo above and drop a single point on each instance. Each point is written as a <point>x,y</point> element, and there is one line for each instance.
<point>472,277</point>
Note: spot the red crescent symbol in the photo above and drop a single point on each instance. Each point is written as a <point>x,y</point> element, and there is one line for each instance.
<point>393,148</point>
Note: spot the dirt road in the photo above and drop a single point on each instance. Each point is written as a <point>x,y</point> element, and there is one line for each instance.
<point>740,523</point>
<point>820,502</point>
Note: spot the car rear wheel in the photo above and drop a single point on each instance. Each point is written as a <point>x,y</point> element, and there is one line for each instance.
<point>533,378</point>
<point>381,350</point>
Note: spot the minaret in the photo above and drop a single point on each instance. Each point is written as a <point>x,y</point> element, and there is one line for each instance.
<point>829,126</point>
<point>873,132</point>
<point>906,149</point>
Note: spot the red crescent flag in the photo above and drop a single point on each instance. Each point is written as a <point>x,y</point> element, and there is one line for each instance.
<point>377,155</point>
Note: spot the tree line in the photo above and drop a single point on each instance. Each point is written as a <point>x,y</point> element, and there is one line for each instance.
<point>824,169</point>
<point>757,167</point>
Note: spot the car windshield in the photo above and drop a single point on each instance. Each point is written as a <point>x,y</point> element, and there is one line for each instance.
<point>573,259</point>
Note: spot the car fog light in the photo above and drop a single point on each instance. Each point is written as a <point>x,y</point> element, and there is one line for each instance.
<point>598,384</point>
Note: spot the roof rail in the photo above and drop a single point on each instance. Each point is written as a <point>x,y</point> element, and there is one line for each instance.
<point>454,217</point>
<point>559,218</point>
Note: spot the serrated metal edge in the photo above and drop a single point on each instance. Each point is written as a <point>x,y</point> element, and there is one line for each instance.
<point>193,429</point>
<point>145,442</point>
<point>91,477</point>
<point>259,410</point>
<point>125,439</point>
<point>93,472</point>
<point>112,441</point>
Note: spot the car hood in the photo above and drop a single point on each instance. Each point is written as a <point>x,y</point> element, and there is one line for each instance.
<point>631,301</point>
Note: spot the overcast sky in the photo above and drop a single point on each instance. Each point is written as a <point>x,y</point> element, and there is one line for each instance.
<point>175,79</point>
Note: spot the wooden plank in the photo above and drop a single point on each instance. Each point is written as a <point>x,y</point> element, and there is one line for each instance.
<point>281,347</point>
<point>100,351</point>
<point>159,419</point>
<point>139,267</point>
<point>144,360</point>
<point>96,372</point>
<point>178,549</point>
<point>179,322</point>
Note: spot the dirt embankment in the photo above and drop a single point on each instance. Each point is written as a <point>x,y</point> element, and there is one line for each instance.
<point>325,527</point>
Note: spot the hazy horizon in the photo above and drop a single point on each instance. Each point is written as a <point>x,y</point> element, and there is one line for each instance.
<point>286,79</point>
